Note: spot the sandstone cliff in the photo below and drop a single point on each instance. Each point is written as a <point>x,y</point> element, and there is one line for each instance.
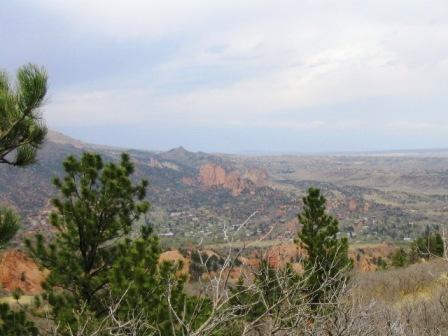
<point>211,175</point>
<point>17,271</point>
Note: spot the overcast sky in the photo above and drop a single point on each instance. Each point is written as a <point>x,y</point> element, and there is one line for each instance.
<point>236,76</point>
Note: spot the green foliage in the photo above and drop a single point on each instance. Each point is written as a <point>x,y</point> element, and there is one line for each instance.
<point>148,285</point>
<point>203,262</point>
<point>97,208</point>
<point>15,323</point>
<point>268,292</point>
<point>22,132</point>
<point>274,294</point>
<point>9,224</point>
<point>400,258</point>
<point>92,259</point>
<point>21,135</point>
<point>381,263</point>
<point>326,256</point>
<point>196,268</point>
<point>430,245</point>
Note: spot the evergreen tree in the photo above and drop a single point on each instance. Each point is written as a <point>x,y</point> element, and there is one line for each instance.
<point>21,130</point>
<point>400,258</point>
<point>97,208</point>
<point>430,245</point>
<point>15,323</point>
<point>382,265</point>
<point>271,285</point>
<point>148,285</point>
<point>91,257</point>
<point>21,135</point>
<point>267,293</point>
<point>326,256</point>
<point>9,224</point>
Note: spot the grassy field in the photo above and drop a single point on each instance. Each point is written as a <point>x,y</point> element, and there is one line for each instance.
<point>269,243</point>
<point>24,300</point>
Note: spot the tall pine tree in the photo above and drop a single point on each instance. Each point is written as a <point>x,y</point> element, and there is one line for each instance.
<point>97,208</point>
<point>9,224</point>
<point>92,257</point>
<point>326,255</point>
<point>22,133</point>
<point>21,130</point>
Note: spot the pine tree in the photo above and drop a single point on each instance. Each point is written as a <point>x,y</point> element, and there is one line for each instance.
<point>22,132</point>
<point>97,208</point>
<point>400,258</point>
<point>148,283</point>
<point>267,293</point>
<point>9,224</point>
<point>326,260</point>
<point>14,323</point>
<point>271,295</point>
<point>92,257</point>
<point>430,245</point>
<point>21,135</point>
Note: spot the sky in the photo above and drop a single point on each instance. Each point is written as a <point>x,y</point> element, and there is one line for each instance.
<point>277,76</point>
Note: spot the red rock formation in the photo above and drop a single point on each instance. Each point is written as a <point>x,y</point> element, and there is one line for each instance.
<point>366,265</point>
<point>211,175</point>
<point>352,205</point>
<point>364,256</point>
<point>17,271</point>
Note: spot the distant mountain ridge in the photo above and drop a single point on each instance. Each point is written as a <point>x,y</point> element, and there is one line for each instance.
<point>60,138</point>
<point>179,152</point>
<point>198,195</point>
<point>178,182</point>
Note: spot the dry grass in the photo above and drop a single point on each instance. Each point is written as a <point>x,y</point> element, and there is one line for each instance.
<point>24,300</point>
<point>392,286</point>
<point>409,301</point>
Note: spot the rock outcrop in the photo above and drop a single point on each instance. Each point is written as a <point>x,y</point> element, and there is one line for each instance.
<point>154,163</point>
<point>258,176</point>
<point>211,175</point>
<point>18,271</point>
<point>352,205</point>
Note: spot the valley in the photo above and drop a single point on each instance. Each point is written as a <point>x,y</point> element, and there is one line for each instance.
<point>201,197</point>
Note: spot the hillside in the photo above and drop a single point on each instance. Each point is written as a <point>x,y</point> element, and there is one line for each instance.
<point>192,194</point>
<point>196,195</point>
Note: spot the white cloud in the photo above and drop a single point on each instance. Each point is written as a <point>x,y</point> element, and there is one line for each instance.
<point>279,58</point>
<point>139,19</point>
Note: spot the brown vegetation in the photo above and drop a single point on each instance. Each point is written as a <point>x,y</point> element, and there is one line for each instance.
<point>176,256</point>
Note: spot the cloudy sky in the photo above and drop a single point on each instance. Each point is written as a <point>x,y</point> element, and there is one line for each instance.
<point>237,76</point>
